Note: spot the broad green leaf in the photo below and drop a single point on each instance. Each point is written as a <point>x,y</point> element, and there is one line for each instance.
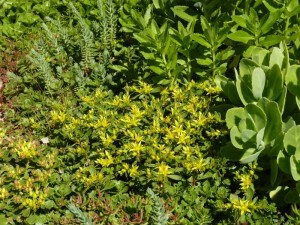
<point>274,124</point>
<point>292,79</point>
<point>272,19</point>
<point>292,197</point>
<point>240,20</point>
<point>180,12</point>
<point>274,171</point>
<point>148,14</point>
<point>157,70</point>
<point>28,18</point>
<point>276,57</point>
<point>232,153</point>
<point>235,137</point>
<point>229,89</point>
<point>295,168</point>
<point>246,67</point>
<point>3,220</point>
<point>244,91</point>
<point>284,162</point>
<point>248,135</point>
<point>175,177</point>
<point>259,55</point>
<point>250,155</point>
<point>142,38</point>
<point>257,115</point>
<point>289,122</point>
<point>291,140</point>
<point>274,84</point>
<point>234,116</point>
<point>258,82</point>
<point>204,23</point>
<point>282,99</point>
<point>200,39</point>
<point>298,102</point>
<point>270,40</point>
<point>241,36</point>
<point>260,145</point>
<point>204,62</point>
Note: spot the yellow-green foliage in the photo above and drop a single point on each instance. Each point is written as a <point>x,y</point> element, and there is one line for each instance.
<point>140,136</point>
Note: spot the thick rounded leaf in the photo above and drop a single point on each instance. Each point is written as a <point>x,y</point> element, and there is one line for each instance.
<point>291,141</point>
<point>260,55</point>
<point>260,138</point>
<point>248,135</point>
<point>257,115</point>
<point>229,89</point>
<point>295,168</point>
<point>250,155</point>
<point>276,57</point>
<point>298,102</point>
<point>234,116</point>
<point>292,197</point>
<point>283,162</point>
<point>274,84</point>
<point>245,92</point>
<point>274,171</point>
<point>274,123</point>
<point>292,79</point>
<point>258,82</point>
<point>235,137</point>
<point>282,99</point>
<point>231,153</point>
<point>288,123</point>
<point>246,67</point>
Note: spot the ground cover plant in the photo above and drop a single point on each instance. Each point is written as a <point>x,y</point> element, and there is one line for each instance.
<point>150,112</point>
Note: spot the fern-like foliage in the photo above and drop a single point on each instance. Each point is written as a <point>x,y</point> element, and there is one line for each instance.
<point>159,216</point>
<point>88,50</point>
<point>84,219</point>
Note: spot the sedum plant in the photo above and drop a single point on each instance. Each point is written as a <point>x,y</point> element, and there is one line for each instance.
<point>266,127</point>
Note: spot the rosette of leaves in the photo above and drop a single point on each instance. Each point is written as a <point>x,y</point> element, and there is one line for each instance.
<point>254,130</point>
<point>261,76</point>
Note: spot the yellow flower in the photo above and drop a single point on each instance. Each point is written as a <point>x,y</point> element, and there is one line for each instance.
<point>89,100</point>
<point>243,206</point>
<point>136,148</point>
<point>3,193</point>
<point>107,140</point>
<point>245,181</point>
<point>105,162</point>
<point>58,116</point>
<point>133,171</point>
<point>163,170</point>
<point>26,149</point>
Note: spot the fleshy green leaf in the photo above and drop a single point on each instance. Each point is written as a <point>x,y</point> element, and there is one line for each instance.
<point>291,140</point>
<point>258,82</point>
